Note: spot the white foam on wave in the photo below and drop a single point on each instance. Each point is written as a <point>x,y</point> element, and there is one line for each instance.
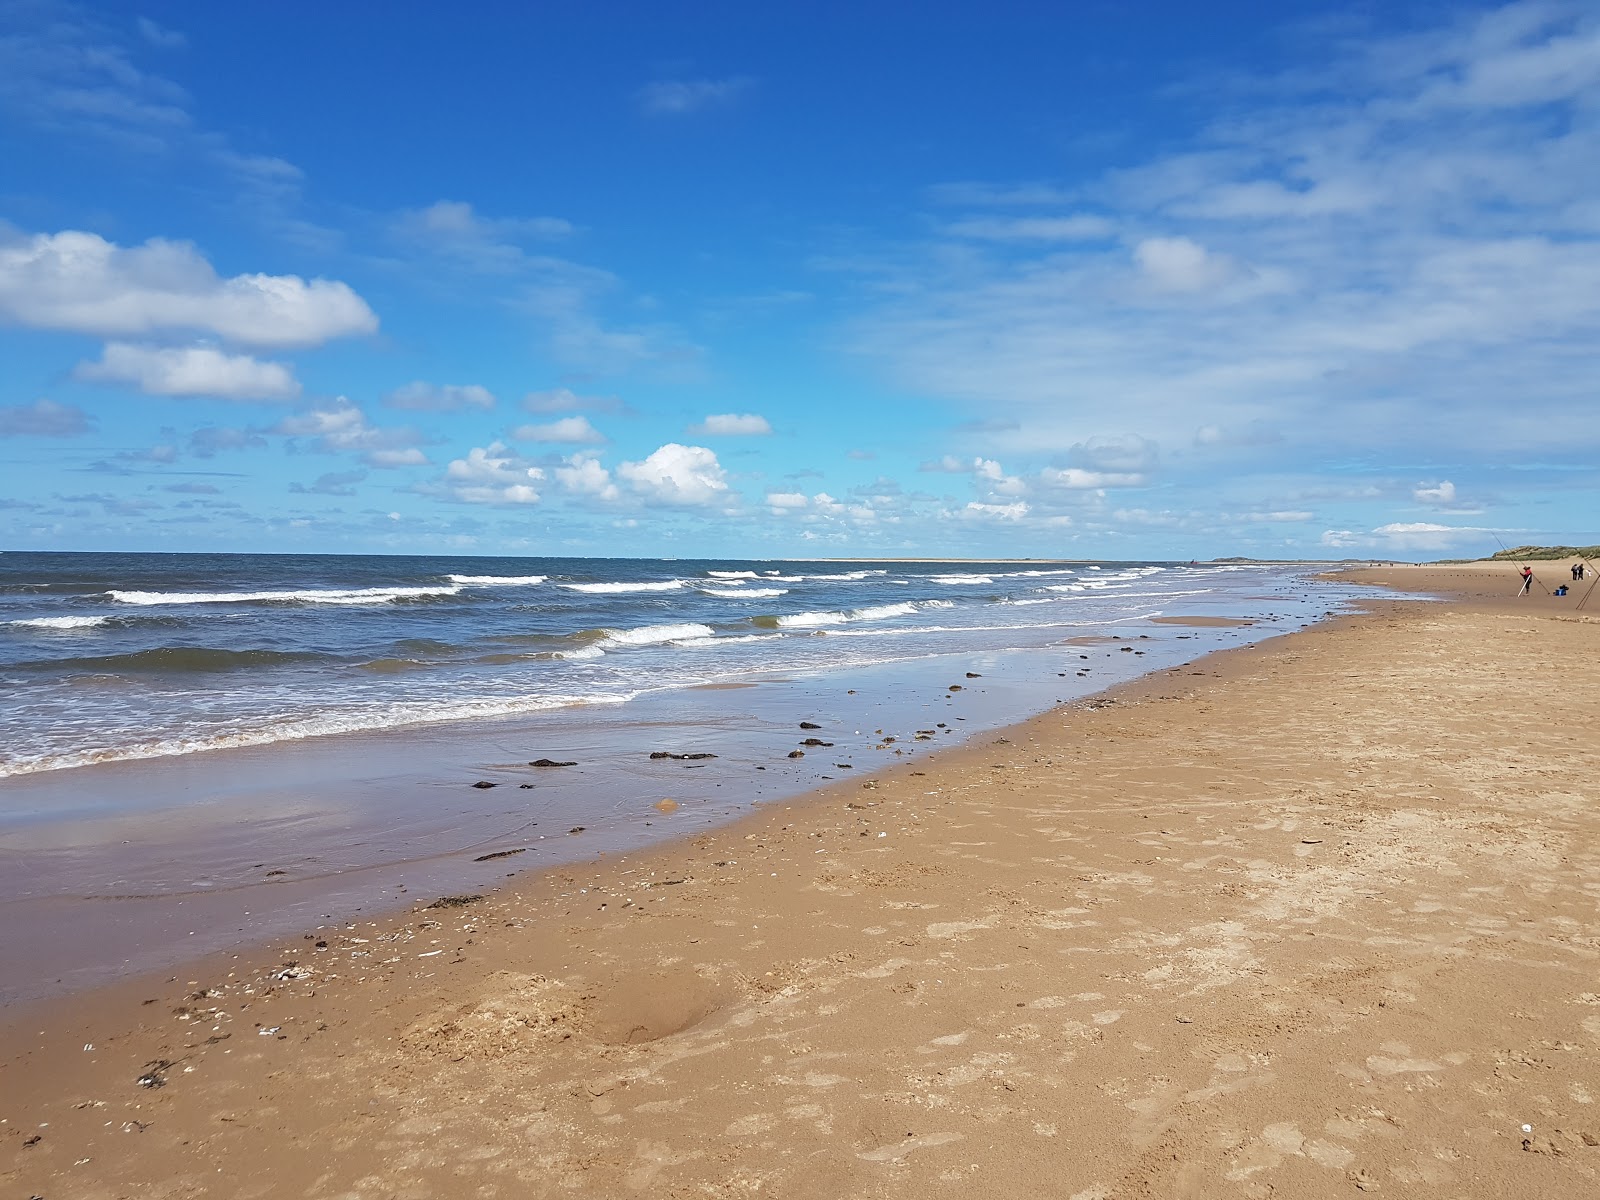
<point>848,576</point>
<point>603,589</point>
<point>653,635</point>
<point>59,622</point>
<point>879,612</point>
<point>498,580</point>
<point>733,575</point>
<point>728,640</point>
<point>374,595</point>
<point>388,716</point>
<point>957,580</point>
<point>746,593</point>
<point>580,652</point>
<point>916,629</point>
<point>807,620</point>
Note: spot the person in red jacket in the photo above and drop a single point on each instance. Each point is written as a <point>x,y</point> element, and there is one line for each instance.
<point>1527,581</point>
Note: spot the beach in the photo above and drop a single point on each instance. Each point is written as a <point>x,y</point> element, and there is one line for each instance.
<point>1305,918</point>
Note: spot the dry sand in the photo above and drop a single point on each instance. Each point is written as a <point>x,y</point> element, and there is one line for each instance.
<point>1303,920</point>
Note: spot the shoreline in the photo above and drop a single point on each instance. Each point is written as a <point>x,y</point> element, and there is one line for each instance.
<point>191,854</point>
<point>595,1017</point>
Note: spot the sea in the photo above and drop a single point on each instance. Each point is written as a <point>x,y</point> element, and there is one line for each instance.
<point>106,657</point>
<point>200,752</point>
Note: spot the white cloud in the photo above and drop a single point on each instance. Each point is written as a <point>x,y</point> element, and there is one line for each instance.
<point>1371,251</point>
<point>732,425</point>
<point>81,283</point>
<point>676,97</point>
<point>190,371</point>
<point>1405,536</point>
<point>1177,264</point>
<point>1076,228</point>
<point>1076,478</point>
<point>786,500</point>
<point>559,400</point>
<point>343,428</point>
<point>1285,516</point>
<point>948,465</point>
<point>453,230</point>
<point>162,39</point>
<point>408,456</point>
<point>584,476</point>
<point>677,474</point>
<point>976,510</point>
<point>574,430</point>
<point>439,397</point>
<point>42,418</point>
<point>1443,492</point>
<point>991,477</point>
<point>493,474</point>
<point>1026,195</point>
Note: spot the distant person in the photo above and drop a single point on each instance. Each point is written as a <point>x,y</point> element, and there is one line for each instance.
<point>1561,591</point>
<point>1576,567</point>
<point>1527,581</point>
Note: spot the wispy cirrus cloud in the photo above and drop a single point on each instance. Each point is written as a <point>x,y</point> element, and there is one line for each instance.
<point>679,97</point>
<point>43,418</point>
<point>419,396</point>
<point>1376,252</point>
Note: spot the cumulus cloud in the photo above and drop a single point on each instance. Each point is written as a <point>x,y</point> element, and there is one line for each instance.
<point>677,474</point>
<point>785,501</point>
<point>1443,492</point>
<point>493,474</point>
<point>190,371</point>
<point>677,97</point>
<point>582,475</point>
<point>573,430</point>
<point>439,397</point>
<point>43,418</point>
<point>80,283</point>
<point>732,425</point>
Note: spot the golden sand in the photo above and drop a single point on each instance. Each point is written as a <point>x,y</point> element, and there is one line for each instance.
<point>1304,920</point>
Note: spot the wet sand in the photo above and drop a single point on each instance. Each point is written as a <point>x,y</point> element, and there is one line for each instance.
<point>128,866</point>
<point>1306,919</point>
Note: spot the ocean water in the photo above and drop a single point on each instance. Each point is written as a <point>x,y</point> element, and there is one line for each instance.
<point>108,657</point>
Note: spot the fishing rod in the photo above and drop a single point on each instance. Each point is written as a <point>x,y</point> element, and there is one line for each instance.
<point>1586,595</point>
<point>1526,579</point>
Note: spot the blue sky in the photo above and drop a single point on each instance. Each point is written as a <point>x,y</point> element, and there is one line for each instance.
<point>1092,280</point>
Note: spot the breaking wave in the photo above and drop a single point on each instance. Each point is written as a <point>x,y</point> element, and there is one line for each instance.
<point>59,622</point>
<point>374,595</point>
<point>609,589</point>
<point>497,580</point>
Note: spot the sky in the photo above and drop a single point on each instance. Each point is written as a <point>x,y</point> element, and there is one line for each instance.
<point>719,279</point>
